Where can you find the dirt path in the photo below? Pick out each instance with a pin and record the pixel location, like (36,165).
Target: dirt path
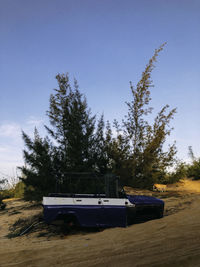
(171,241)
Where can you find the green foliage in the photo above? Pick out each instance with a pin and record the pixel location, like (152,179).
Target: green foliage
(185,170)
(77,144)
(7,193)
(11,190)
(179,172)
(1,198)
(2,182)
(19,190)
(194,168)
(39,172)
(4,193)
(137,151)
(72,126)
(118,150)
(100,149)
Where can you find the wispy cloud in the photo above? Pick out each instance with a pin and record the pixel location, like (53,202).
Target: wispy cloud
(33,121)
(11,143)
(10,159)
(10,130)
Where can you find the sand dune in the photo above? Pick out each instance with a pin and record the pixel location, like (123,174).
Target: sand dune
(171,241)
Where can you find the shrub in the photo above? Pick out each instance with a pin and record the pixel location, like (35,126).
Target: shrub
(179,172)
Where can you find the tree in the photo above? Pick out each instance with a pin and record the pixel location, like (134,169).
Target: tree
(2,182)
(72,126)
(76,144)
(99,150)
(179,172)
(193,168)
(138,146)
(118,151)
(72,147)
(39,173)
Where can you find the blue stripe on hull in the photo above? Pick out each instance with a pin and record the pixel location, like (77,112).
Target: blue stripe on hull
(89,215)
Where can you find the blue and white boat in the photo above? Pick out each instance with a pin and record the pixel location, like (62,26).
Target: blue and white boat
(111,208)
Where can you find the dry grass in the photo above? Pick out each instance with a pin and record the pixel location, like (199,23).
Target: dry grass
(10,199)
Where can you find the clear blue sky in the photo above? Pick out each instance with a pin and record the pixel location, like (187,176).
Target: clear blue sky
(104,44)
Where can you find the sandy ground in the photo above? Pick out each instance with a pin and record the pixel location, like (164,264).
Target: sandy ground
(171,241)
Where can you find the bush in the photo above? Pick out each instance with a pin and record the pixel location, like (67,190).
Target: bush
(7,193)
(194,170)
(179,172)
(15,191)
(19,190)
